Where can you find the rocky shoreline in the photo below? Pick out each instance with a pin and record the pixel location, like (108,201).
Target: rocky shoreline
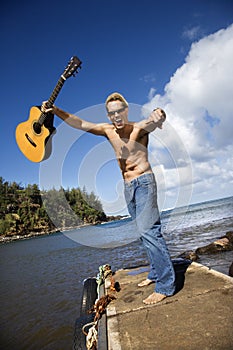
(16,237)
(222,244)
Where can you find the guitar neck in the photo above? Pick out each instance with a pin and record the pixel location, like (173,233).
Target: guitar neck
(70,70)
(52,98)
(56,91)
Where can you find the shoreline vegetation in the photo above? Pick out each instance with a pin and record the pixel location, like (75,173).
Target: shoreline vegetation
(24,211)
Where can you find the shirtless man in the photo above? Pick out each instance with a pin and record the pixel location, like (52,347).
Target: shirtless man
(129,141)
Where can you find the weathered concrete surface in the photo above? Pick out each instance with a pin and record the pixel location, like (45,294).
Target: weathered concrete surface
(200,316)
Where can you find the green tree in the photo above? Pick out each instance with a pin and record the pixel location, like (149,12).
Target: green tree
(27,210)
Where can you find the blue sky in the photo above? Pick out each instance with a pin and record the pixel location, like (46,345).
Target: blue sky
(175,54)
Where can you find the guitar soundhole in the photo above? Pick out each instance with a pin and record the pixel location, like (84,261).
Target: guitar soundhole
(37,128)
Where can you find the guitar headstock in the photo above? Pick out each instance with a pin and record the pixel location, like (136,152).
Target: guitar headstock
(72,67)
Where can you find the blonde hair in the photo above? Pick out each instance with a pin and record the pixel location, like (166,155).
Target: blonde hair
(116,96)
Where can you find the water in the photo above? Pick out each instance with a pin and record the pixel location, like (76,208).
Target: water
(41,278)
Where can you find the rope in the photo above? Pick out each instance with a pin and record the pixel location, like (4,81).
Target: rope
(99,307)
(86,325)
(104,272)
(91,337)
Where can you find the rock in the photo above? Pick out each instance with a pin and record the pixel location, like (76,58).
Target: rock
(222,244)
(231,270)
(229,235)
(190,255)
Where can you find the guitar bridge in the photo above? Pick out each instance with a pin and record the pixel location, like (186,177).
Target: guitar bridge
(30,140)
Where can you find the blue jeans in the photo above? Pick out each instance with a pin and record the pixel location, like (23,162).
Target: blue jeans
(141,199)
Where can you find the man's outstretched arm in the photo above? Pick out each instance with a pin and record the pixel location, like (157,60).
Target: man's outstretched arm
(75,121)
(155,120)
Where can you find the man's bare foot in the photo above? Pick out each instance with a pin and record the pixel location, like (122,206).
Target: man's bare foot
(145,283)
(154,298)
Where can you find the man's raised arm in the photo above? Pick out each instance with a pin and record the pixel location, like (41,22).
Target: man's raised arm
(155,120)
(75,121)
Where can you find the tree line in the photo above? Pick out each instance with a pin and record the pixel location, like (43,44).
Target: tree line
(25,210)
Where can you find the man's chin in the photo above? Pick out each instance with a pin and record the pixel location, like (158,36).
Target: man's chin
(119,126)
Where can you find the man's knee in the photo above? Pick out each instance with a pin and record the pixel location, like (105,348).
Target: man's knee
(145,227)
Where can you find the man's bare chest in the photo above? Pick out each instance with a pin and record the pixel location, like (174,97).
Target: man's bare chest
(128,146)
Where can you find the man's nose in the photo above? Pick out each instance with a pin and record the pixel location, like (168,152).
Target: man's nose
(116,114)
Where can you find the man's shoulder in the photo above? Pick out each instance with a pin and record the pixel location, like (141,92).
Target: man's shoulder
(107,127)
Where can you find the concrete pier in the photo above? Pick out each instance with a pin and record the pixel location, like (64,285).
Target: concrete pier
(199,316)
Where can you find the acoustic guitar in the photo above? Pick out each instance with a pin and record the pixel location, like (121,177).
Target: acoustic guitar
(34,136)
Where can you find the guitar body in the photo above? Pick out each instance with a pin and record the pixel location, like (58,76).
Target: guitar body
(31,143)
(34,137)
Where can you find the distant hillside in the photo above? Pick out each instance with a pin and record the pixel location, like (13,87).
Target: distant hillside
(24,210)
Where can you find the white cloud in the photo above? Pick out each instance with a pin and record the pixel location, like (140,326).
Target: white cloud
(148,78)
(199,103)
(192,33)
